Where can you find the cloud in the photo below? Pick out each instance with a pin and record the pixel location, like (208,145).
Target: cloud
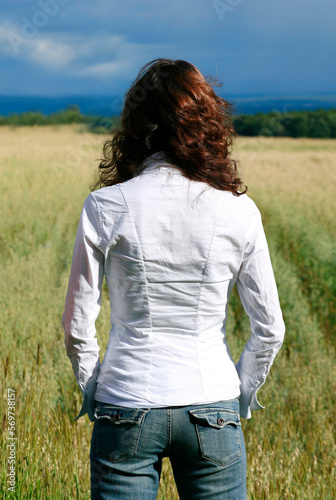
(43,50)
(106,69)
(118,57)
(103,55)
(47,54)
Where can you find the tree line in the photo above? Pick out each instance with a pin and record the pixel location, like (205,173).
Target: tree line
(70,115)
(320,123)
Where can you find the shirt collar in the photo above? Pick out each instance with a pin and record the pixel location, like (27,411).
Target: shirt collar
(157,161)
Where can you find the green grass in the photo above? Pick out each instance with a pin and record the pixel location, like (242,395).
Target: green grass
(46,173)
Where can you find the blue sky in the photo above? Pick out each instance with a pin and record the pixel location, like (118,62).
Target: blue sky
(85,47)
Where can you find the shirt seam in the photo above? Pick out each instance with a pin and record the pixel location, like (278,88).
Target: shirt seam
(242,259)
(205,267)
(199,298)
(98,245)
(146,285)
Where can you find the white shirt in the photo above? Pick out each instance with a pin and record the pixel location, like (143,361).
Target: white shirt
(171,251)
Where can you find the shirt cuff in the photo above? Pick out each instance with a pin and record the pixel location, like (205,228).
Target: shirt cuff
(248,394)
(88,405)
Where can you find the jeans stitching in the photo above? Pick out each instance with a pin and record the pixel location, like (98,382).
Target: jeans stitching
(238,443)
(169,426)
(134,448)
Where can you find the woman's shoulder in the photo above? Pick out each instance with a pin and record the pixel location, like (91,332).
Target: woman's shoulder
(242,203)
(108,198)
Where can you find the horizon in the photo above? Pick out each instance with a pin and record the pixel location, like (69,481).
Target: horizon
(267,95)
(111,105)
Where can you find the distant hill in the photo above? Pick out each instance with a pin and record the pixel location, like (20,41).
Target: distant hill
(283,104)
(112,105)
(88,105)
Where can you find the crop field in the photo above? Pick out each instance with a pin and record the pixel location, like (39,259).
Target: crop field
(46,173)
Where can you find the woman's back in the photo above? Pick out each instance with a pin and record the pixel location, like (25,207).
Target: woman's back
(172,249)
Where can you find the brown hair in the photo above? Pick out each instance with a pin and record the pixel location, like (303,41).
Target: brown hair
(170,107)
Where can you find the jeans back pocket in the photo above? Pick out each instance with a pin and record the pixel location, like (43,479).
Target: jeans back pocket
(218,433)
(117,431)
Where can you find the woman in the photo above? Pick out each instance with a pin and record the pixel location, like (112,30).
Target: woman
(172,233)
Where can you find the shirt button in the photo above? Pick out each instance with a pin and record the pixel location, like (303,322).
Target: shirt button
(221,421)
(116,418)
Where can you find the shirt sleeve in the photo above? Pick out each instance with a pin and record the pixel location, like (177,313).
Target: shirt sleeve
(83,300)
(259,296)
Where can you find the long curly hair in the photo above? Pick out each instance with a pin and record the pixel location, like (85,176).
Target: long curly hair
(171,107)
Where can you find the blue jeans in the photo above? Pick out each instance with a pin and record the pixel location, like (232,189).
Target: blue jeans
(204,443)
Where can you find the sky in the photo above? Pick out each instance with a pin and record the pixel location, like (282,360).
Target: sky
(85,47)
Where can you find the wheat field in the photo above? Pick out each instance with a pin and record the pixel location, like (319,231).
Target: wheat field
(46,173)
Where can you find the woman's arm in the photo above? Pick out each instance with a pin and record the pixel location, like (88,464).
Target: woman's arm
(83,301)
(258,293)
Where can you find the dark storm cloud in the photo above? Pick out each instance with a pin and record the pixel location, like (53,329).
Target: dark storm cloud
(70,46)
